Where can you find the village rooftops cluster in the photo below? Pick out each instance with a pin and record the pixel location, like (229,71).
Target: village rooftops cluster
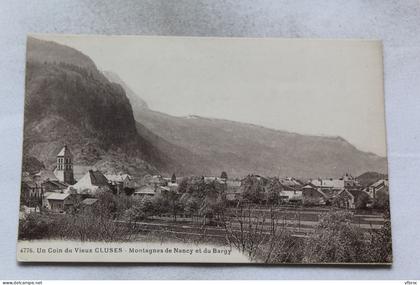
(58,190)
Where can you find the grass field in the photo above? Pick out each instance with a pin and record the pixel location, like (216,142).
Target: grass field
(299,221)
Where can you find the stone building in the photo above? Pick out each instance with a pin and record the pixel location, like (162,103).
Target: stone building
(64,168)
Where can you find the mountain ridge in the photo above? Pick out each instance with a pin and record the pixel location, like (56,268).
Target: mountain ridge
(68,100)
(279,150)
(259,149)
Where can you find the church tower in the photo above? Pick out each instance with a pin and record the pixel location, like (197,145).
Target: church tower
(64,169)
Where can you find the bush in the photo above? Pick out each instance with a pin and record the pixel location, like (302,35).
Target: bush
(361,202)
(35,226)
(334,240)
(381,200)
(378,247)
(134,214)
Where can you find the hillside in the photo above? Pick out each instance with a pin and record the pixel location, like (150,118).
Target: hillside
(369,178)
(204,145)
(68,101)
(208,146)
(136,101)
(240,148)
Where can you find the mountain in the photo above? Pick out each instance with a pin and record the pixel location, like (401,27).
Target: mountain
(207,146)
(181,160)
(106,125)
(369,178)
(240,148)
(69,101)
(136,101)
(51,52)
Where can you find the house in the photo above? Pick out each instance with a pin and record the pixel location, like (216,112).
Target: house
(233,190)
(80,170)
(337,184)
(322,191)
(145,190)
(172,186)
(291,195)
(157,180)
(31,193)
(344,199)
(125,179)
(119,182)
(54,186)
(291,190)
(379,186)
(90,183)
(361,198)
(290,182)
(350,182)
(31,189)
(45,200)
(88,204)
(209,179)
(59,202)
(44,175)
(25,211)
(312,195)
(233,184)
(233,195)
(379,193)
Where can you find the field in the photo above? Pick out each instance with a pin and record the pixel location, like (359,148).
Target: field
(300,221)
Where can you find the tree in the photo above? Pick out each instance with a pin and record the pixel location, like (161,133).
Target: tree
(381,200)
(260,237)
(379,243)
(106,206)
(253,189)
(362,200)
(203,198)
(159,204)
(146,205)
(335,240)
(169,202)
(224,175)
(212,204)
(128,191)
(273,191)
(135,214)
(190,204)
(183,185)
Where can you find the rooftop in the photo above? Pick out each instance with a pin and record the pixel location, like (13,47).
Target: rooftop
(89,201)
(57,196)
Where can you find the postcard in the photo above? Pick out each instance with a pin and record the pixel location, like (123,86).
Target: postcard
(204,150)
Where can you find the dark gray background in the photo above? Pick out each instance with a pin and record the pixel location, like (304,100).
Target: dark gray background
(397,23)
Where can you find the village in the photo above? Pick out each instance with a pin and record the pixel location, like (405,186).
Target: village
(59,190)
(257,215)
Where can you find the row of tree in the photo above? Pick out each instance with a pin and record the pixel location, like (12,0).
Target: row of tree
(334,240)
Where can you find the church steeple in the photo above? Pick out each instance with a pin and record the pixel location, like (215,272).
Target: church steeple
(64,169)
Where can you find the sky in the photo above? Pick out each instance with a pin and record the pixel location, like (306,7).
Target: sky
(314,87)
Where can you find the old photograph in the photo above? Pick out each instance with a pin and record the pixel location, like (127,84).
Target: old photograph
(207,150)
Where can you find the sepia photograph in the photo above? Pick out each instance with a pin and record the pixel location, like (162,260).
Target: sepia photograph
(204,150)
